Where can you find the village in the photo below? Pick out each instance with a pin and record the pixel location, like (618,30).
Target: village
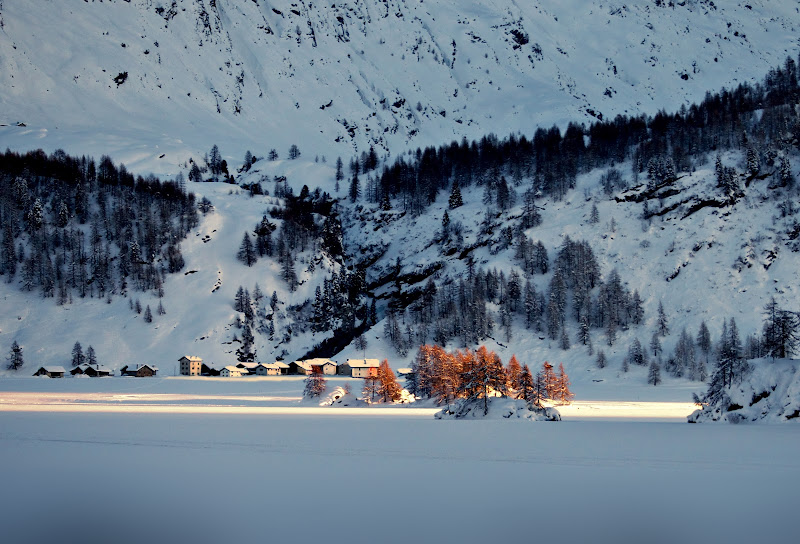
(190,365)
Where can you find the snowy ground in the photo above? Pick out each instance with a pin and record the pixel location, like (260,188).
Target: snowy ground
(278,395)
(247,474)
(223,478)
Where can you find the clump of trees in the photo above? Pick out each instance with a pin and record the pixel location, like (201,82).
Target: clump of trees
(382,385)
(71,227)
(474,308)
(479,375)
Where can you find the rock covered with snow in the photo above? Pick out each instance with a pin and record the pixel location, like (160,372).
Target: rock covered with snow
(769,393)
(499,408)
(340,397)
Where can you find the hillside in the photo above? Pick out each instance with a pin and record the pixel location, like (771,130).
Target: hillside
(554,244)
(712,264)
(153,83)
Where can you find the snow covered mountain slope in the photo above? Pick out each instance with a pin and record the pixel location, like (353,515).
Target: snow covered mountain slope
(729,263)
(154,82)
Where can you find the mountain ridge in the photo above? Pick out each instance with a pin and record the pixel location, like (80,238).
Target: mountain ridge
(393,74)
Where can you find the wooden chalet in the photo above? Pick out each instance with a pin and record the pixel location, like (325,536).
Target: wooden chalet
(51,371)
(247,369)
(139,371)
(93,371)
(325,366)
(268,369)
(301,367)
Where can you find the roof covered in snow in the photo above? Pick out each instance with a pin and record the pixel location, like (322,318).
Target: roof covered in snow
(363,363)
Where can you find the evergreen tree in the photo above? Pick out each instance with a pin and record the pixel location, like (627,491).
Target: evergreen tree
(239,300)
(294,152)
(272,155)
(594,216)
(654,373)
(445,225)
(77,355)
(248,161)
(601,359)
(339,172)
(148,315)
(539,390)
(781,331)
(704,340)
(15,358)
(655,345)
(455,199)
(355,188)
(684,360)
(730,367)
(662,325)
(246,253)
(525,389)
(636,355)
(564,341)
(753,162)
(91,357)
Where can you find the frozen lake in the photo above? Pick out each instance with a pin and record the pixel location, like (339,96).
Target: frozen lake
(95,473)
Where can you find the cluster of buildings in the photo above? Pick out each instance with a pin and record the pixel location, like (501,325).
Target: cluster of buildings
(97,371)
(356,368)
(190,365)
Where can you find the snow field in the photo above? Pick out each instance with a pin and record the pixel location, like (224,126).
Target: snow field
(136,478)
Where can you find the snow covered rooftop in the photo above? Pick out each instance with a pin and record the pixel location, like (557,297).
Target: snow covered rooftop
(320,361)
(363,363)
